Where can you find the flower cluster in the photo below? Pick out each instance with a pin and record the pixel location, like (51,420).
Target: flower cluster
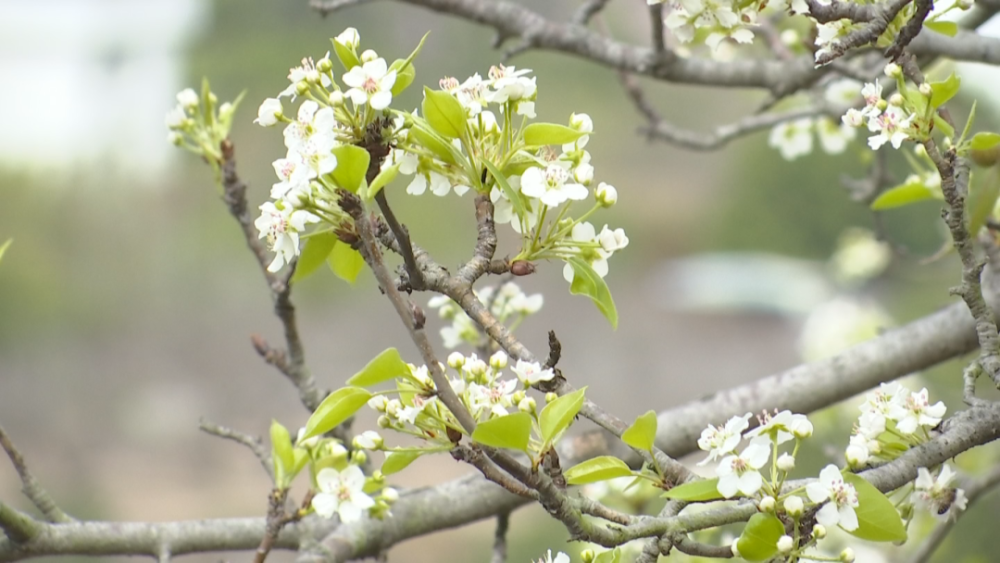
(199,123)
(795,138)
(892,419)
(508,304)
(479,385)
(890,121)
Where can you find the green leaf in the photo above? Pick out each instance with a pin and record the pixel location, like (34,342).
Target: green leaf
(903,194)
(878,519)
(444,114)
(511,431)
(346,262)
(281,454)
(435,144)
(385,176)
(398,461)
(609,556)
(335,408)
(943,127)
(538,134)
(352,164)
(984,141)
(317,248)
(944,90)
(512,195)
(642,433)
(559,414)
(597,469)
(587,282)
(759,540)
(387,365)
(943,27)
(5,246)
(346,55)
(404,76)
(301,457)
(695,491)
(984,189)
(968,122)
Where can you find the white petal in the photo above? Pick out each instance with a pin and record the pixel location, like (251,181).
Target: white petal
(349,512)
(325,504)
(828,515)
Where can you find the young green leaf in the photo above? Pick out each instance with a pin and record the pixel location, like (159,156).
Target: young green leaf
(984,189)
(942,126)
(405,73)
(444,114)
(512,195)
(587,282)
(759,540)
(944,90)
(435,144)
(281,454)
(345,262)
(903,194)
(943,27)
(387,365)
(5,246)
(385,176)
(878,519)
(559,414)
(352,164)
(642,433)
(984,141)
(511,431)
(609,556)
(335,408)
(314,253)
(538,134)
(695,491)
(346,55)
(597,469)
(397,461)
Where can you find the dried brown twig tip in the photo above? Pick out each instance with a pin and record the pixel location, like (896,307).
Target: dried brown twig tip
(555,351)
(419,318)
(350,203)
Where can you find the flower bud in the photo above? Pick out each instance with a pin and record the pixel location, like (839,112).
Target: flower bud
(175,138)
(384,422)
(881,105)
(456,360)
(337,98)
(786,462)
(349,38)
(766,504)
(377,476)
(393,407)
(896,99)
(517,397)
(335,451)
(785,544)
(584,174)
(378,403)
(892,70)
(476,368)
(390,495)
(581,122)
(847,556)
(527,405)
(309,443)
(359,457)
(368,56)
(853,118)
(793,506)
(226,110)
(367,440)
(312,76)
(549,397)
(302,87)
(926,89)
(803,429)
(187,98)
(324,66)
(212,98)
(588,556)
(606,194)
(819,531)
(269,112)
(498,361)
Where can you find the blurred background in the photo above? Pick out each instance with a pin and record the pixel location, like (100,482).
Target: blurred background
(128,296)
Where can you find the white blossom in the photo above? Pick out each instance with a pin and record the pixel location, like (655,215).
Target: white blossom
(267,114)
(842,497)
(918,412)
(792,138)
(559,558)
(495,399)
(551,185)
(370,83)
(281,227)
(937,495)
(369,440)
(349,38)
(531,373)
(889,127)
(341,492)
(834,137)
(782,426)
(740,473)
(187,98)
(719,441)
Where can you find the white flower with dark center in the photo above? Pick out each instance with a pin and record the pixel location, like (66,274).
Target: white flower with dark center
(370,83)
(889,127)
(281,227)
(937,495)
(917,412)
(739,474)
(721,440)
(294,174)
(792,138)
(341,492)
(872,93)
(493,399)
(551,185)
(510,84)
(531,373)
(842,497)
